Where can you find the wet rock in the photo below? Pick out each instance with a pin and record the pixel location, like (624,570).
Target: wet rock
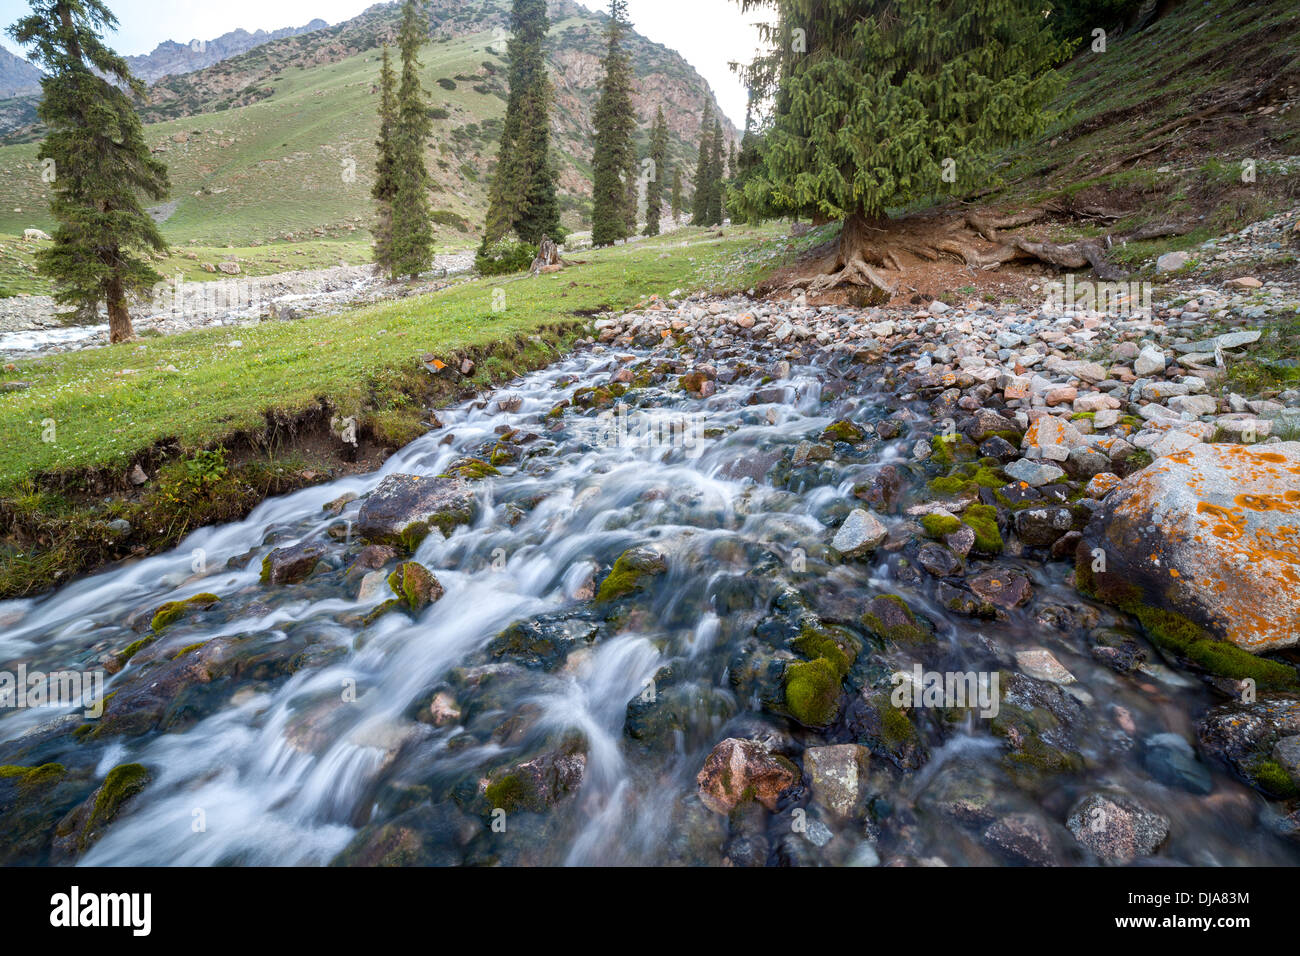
(1171,760)
(889,617)
(860,534)
(538,784)
(1116,828)
(629,573)
(938,560)
(1002,587)
(738,767)
(1041,664)
(836,773)
(1042,527)
(1287,754)
(1244,737)
(403,509)
(884,491)
(1023,838)
(428,835)
(291,565)
(1210,533)
(81,828)
(416,588)
(543,642)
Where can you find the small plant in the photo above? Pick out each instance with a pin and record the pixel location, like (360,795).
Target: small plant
(205,469)
(506,255)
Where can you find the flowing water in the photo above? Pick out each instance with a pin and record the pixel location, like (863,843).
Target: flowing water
(321,738)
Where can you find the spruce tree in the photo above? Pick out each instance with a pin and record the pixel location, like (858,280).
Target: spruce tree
(703,170)
(677,195)
(614,123)
(631,191)
(385,188)
(523,196)
(412,248)
(717,163)
(880,102)
(102,162)
(654,195)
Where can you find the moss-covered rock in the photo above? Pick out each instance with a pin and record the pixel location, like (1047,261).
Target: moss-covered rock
(173,611)
(415,586)
(889,618)
(81,828)
(629,573)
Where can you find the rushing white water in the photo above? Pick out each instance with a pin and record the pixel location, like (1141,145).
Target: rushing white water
(288,771)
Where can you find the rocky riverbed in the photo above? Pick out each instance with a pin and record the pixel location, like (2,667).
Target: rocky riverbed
(29,325)
(681,599)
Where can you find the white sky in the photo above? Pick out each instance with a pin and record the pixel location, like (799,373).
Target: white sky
(708,33)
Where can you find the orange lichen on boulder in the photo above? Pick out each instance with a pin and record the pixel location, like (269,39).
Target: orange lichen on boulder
(1224,516)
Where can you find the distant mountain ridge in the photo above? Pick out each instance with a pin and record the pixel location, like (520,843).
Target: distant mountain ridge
(176,59)
(17,76)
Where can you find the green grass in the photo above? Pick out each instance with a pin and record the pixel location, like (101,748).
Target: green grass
(109,403)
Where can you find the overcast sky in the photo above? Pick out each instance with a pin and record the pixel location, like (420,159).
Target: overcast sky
(708,33)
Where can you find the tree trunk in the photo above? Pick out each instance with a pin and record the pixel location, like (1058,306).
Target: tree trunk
(855,257)
(119,318)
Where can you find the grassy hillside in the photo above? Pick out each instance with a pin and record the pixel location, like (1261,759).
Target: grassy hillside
(276,145)
(1162,126)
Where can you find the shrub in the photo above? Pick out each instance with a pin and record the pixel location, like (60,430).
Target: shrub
(508,254)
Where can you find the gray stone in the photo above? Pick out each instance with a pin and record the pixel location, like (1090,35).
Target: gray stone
(860,534)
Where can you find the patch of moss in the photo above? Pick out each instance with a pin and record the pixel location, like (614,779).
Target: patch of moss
(626,576)
(472,469)
(939,526)
(134,648)
(173,611)
(843,431)
(814,642)
(950,449)
(909,631)
(812,692)
(389,605)
(983,520)
(185,650)
(513,791)
(122,783)
(1174,632)
(29,777)
(1271,777)
(896,728)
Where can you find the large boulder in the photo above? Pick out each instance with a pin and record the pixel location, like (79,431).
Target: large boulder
(1211,533)
(405,508)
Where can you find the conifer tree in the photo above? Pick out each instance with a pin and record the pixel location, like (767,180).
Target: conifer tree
(654,196)
(614,123)
(101,161)
(717,170)
(631,191)
(385,188)
(703,170)
(412,248)
(523,196)
(876,100)
(677,195)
